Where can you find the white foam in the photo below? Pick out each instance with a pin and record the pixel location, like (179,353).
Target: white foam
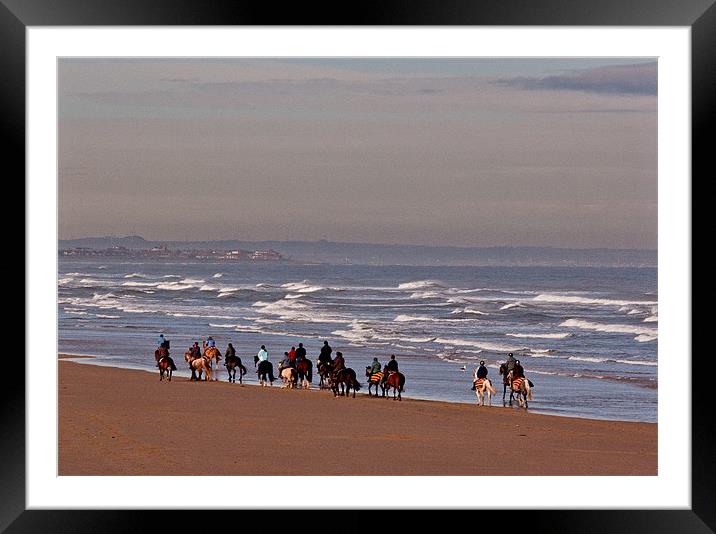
(220,325)
(643,338)
(512,305)
(611,328)
(473,311)
(587,359)
(420,284)
(562,335)
(192,281)
(102,316)
(135,275)
(411,318)
(638,362)
(651,319)
(495,347)
(218,275)
(570,299)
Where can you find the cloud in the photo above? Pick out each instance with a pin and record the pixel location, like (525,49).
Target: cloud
(638,79)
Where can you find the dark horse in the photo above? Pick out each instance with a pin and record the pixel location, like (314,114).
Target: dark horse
(265,371)
(304,368)
(375,379)
(396,381)
(232,363)
(324,372)
(165,363)
(346,379)
(506,382)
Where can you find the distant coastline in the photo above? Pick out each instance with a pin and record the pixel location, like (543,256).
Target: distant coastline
(332,252)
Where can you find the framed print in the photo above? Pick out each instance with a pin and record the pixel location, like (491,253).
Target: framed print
(490,196)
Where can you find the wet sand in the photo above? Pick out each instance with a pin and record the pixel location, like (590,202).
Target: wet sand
(125,422)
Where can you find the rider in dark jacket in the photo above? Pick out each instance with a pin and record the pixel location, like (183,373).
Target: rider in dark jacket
(392,365)
(519,371)
(338,363)
(300,352)
(230,351)
(482,370)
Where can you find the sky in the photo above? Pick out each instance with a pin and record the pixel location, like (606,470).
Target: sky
(442,151)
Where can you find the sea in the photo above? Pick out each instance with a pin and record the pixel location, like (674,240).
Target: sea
(587,337)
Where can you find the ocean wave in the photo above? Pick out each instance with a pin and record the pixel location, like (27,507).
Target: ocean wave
(302,287)
(643,338)
(610,328)
(421,284)
(512,305)
(135,275)
(175,286)
(568,299)
(562,335)
(588,359)
(140,284)
(218,275)
(494,347)
(221,325)
(637,362)
(411,318)
(468,310)
(418,295)
(191,281)
(102,316)
(651,319)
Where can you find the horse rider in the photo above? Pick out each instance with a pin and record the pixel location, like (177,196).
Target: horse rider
(510,366)
(162,343)
(286,362)
(209,342)
(262,355)
(325,355)
(519,371)
(300,352)
(195,350)
(375,367)
(230,351)
(480,372)
(338,363)
(292,357)
(392,365)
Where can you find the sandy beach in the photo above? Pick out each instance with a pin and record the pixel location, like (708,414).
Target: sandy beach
(124,422)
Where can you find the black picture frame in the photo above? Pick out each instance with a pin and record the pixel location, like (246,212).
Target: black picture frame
(699,15)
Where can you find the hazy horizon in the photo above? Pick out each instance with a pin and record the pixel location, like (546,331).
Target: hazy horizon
(434,152)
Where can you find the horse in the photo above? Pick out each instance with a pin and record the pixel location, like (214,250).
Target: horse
(231,363)
(289,376)
(325,371)
(482,386)
(346,379)
(198,366)
(265,371)
(212,353)
(506,380)
(522,387)
(375,379)
(166,365)
(396,381)
(304,368)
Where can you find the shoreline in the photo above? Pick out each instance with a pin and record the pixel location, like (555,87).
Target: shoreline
(117,421)
(496,401)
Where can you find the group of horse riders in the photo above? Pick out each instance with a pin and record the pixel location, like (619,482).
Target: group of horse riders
(513,376)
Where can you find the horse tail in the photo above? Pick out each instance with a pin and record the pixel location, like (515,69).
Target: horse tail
(171,362)
(490,388)
(401,382)
(242,370)
(529,390)
(309,373)
(356,384)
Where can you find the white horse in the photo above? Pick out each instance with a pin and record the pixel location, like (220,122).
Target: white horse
(521,388)
(289,377)
(483,386)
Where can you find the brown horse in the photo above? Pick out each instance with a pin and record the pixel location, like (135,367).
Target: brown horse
(325,370)
(396,381)
(375,379)
(346,379)
(304,368)
(232,363)
(166,365)
(199,365)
